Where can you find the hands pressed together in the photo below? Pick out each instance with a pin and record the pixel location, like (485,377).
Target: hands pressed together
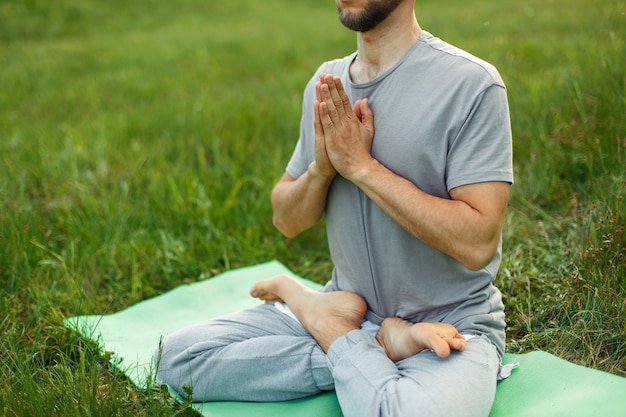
(343,133)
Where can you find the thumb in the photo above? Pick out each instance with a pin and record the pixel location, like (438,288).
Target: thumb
(365,114)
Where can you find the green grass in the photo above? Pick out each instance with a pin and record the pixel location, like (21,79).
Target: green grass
(139,143)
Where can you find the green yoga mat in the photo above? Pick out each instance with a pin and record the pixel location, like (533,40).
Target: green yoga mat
(542,385)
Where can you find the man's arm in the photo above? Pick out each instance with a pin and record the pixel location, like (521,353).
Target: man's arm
(466,227)
(299,204)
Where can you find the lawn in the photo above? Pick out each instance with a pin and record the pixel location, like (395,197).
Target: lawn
(139,142)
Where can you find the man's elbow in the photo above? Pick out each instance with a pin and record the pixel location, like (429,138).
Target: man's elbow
(475,264)
(480,256)
(284,228)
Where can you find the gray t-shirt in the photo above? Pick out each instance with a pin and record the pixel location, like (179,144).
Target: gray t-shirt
(441,120)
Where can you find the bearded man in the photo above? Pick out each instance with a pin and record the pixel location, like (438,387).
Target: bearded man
(405,147)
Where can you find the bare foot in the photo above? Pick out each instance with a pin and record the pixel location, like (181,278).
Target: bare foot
(327,316)
(401,339)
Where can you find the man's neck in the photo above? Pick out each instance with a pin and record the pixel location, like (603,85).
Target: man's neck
(382,47)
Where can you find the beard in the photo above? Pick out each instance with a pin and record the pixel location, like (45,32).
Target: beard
(374,12)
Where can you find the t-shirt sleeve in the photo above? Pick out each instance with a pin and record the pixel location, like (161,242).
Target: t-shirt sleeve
(482,150)
(304,152)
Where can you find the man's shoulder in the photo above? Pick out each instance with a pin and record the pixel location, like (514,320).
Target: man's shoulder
(455,58)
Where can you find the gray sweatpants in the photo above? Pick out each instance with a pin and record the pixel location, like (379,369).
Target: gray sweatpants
(262,354)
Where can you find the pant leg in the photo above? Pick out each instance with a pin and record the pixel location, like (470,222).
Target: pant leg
(258,354)
(368,384)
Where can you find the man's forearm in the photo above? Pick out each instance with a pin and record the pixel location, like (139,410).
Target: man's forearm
(298,204)
(466,227)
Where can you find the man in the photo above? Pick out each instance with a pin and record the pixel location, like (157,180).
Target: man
(405,147)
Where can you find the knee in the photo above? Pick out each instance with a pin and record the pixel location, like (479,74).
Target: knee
(167,366)
(158,356)
(161,359)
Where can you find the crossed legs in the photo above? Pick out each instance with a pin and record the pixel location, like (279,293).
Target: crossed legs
(261,354)
(328,316)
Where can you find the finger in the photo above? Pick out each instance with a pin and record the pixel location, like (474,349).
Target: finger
(357,109)
(318,84)
(317,121)
(328,106)
(343,96)
(366,115)
(332,82)
(326,120)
